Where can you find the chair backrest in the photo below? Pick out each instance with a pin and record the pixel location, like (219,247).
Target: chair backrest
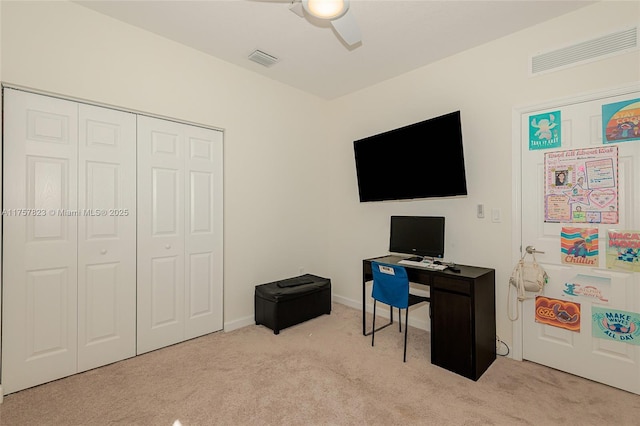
(390,284)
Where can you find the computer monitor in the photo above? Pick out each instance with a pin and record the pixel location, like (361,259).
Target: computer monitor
(417,235)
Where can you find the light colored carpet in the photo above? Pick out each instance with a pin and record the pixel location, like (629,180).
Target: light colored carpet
(321,372)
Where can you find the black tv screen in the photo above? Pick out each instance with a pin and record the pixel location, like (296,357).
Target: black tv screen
(421,160)
(417,235)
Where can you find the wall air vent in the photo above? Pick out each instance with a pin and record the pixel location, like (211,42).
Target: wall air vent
(263,58)
(595,49)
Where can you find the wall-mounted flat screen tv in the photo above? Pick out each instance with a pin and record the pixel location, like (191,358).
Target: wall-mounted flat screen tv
(421,160)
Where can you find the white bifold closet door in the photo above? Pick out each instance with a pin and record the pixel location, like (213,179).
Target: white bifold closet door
(179,232)
(68,245)
(106,236)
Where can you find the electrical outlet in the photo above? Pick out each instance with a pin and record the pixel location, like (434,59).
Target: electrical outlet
(480,211)
(301,270)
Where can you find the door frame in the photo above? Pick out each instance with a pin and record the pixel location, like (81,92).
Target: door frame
(516,193)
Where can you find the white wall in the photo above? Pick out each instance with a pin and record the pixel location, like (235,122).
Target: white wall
(485,83)
(290,189)
(274,155)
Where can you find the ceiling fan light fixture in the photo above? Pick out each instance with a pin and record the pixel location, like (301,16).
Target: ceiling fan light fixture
(326,9)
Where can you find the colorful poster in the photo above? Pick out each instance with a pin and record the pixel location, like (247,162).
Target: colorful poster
(558,313)
(579,246)
(544,131)
(623,250)
(621,121)
(581,185)
(611,324)
(588,286)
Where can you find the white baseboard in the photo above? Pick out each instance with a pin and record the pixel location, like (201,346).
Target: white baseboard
(239,323)
(356,304)
(415,320)
(348,302)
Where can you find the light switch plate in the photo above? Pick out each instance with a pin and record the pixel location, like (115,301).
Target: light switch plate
(496,215)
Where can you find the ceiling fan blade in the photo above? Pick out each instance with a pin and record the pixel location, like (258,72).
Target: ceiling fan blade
(296,7)
(347,28)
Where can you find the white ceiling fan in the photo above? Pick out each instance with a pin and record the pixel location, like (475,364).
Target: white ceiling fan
(336,12)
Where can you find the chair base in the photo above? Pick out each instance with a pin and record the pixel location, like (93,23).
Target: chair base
(413,300)
(368,333)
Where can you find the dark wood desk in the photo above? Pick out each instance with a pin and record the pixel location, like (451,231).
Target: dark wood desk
(463,314)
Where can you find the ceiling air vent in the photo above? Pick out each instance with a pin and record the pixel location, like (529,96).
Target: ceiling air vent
(263,58)
(587,51)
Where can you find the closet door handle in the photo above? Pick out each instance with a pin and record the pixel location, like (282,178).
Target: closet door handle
(168,246)
(103,251)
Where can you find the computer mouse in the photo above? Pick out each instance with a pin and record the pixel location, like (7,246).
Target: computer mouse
(437,262)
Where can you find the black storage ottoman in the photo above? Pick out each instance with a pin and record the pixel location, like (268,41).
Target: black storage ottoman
(288,302)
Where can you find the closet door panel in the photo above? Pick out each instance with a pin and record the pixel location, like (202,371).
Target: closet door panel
(39,337)
(203,244)
(106,236)
(179,232)
(160,233)
(112,236)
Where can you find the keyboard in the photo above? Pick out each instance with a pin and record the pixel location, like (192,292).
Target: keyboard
(426,265)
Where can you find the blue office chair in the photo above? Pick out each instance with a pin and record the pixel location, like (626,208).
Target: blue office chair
(391,287)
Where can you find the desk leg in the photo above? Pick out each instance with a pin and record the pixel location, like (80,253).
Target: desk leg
(364,307)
